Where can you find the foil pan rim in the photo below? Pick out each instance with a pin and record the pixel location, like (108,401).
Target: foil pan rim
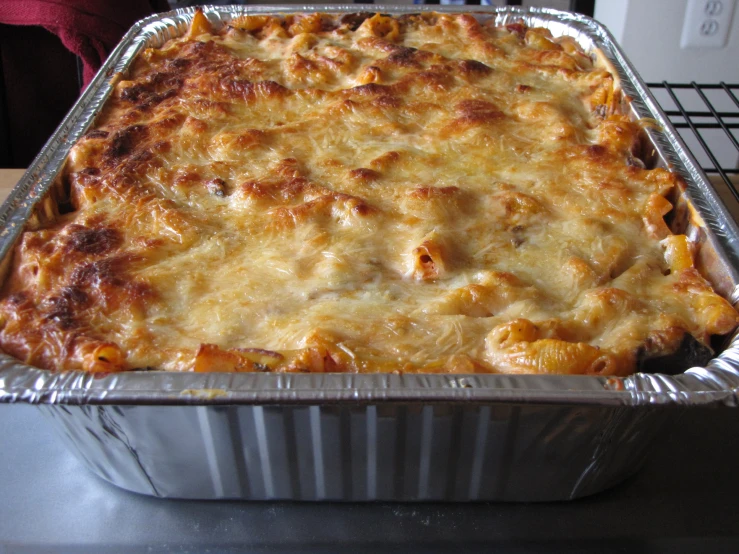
(716,383)
(697,386)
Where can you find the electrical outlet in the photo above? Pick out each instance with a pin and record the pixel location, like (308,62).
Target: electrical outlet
(707,23)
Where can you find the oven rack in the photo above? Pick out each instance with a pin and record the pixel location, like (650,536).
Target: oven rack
(707,117)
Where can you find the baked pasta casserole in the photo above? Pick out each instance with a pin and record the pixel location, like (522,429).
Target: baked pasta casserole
(360,193)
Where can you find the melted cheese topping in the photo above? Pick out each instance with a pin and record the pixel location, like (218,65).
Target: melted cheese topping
(424,193)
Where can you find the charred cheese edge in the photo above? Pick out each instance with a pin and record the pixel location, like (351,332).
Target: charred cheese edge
(363,193)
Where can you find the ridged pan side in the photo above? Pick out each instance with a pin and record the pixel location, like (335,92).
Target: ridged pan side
(408,452)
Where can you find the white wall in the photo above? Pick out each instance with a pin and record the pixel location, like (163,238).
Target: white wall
(649,32)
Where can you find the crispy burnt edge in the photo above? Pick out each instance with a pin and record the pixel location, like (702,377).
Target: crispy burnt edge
(690,353)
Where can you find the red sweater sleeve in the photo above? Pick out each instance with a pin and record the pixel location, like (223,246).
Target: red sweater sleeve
(89,28)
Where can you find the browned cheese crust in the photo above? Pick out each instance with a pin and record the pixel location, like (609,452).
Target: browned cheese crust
(425,193)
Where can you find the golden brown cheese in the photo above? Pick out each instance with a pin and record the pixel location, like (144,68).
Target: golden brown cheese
(359,193)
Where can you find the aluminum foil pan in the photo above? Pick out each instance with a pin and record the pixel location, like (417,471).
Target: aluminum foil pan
(373,436)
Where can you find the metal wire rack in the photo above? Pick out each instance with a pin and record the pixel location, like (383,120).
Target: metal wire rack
(707,117)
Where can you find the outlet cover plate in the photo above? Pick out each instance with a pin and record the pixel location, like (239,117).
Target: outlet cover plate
(707,23)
